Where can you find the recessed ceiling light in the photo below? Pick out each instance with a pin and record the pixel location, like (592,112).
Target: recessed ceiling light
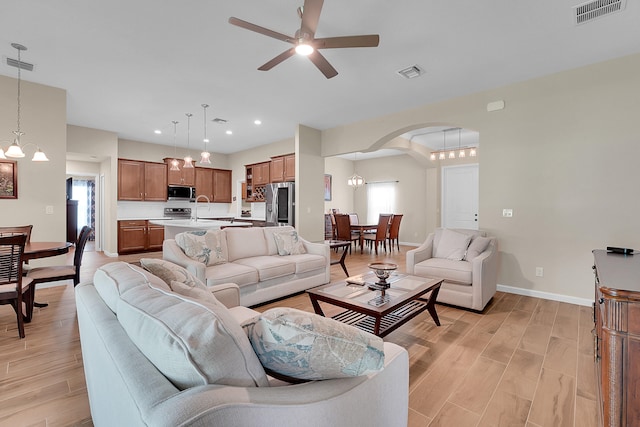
(257,122)
(229,132)
(157,132)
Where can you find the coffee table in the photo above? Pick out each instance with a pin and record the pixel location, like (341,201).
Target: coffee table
(335,244)
(368,310)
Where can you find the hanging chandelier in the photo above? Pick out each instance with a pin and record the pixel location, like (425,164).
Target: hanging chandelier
(188,160)
(174,162)
(451,153)
(205,156)
(355,180)
(16,150)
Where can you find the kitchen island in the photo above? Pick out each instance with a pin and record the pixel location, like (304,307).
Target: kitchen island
(175,226)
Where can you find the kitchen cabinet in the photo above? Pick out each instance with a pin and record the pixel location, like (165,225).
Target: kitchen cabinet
(184,176)
(261,174)
(214,183)
(617,337)
(283,168)
(255,180)
(138,180)
(139,236)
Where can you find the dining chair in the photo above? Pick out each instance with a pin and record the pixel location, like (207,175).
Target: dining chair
(394,231)
(380,235)
(353,219)
(343,229)
(14,288)
(56,273)
(24,229)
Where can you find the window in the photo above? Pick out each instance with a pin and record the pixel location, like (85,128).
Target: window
(381,198)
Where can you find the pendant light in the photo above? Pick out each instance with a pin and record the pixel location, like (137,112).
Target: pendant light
(355,180)
(205,155)
(461,153)
(15,150)
(174,163)
(188,160)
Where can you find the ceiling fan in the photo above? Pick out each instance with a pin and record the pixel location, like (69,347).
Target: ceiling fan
(304,41)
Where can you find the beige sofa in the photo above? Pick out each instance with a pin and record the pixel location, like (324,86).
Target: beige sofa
(253,263)
(126,388)
(467,260)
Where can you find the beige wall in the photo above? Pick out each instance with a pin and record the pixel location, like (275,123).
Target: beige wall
(40,184)
(341,195)
(561,155)
(309,184)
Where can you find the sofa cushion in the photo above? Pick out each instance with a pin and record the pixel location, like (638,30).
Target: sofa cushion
(307,262)
(477,246)
(301,345)
(269,267)
(452,245)
(169,272)
(245,242)
(191,342)
(206,246)
(288,243)
(194,292)
(450,270)
(239,274)
(115,278)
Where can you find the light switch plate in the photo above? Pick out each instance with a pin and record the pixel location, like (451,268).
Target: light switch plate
(507,213)
(48,210)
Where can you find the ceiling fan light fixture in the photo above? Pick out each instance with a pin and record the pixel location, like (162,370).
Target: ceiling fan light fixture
(304,49)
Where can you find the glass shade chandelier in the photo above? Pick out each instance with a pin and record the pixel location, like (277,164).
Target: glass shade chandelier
(16,150)
(355,180)
(188,160)
(174,163)
(451,153)
(205,156)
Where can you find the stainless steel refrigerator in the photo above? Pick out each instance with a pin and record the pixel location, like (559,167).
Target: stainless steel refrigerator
(280,204)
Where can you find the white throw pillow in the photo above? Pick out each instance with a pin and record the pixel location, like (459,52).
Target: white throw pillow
(191,342)
(169,272)
(288,243)
(295,344)
(202,245)
(452,245)
(477,246)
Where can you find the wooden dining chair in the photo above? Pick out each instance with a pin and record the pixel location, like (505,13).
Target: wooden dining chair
(380,235)
(14,288)
(56,273)
(24,229)
(394,231)
(343,229)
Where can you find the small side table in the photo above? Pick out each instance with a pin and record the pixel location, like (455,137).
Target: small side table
(334,244)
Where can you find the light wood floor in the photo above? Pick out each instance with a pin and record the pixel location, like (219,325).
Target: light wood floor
(522,362)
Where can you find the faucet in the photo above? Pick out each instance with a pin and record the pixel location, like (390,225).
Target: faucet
(196,208)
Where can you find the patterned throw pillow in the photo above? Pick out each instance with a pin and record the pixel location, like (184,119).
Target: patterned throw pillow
(296,344)
(202,245)
(288,243)
(169,272)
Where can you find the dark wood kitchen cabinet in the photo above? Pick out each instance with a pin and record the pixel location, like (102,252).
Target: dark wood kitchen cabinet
(139,235)
(184,176)
(214,183)
(617,337)
(283,168)
(138,180)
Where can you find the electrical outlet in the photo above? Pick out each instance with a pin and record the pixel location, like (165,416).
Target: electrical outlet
(539,271)
(507,213)
(48,210)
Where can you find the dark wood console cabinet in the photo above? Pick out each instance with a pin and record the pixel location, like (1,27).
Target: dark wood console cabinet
(617,337)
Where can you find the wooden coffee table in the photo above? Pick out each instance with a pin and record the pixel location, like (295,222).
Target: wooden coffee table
(403,301)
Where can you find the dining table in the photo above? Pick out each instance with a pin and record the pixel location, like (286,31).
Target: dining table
(363,228)
(35,250)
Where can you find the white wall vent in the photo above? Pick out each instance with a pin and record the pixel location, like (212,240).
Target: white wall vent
(19,64)
(591,10)
(411,72)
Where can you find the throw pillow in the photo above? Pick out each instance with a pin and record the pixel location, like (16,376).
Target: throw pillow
(477,246)
(452,245)
(169,272)
(202,245)
(191,342)
(305,346)
(288,243)
(194,292)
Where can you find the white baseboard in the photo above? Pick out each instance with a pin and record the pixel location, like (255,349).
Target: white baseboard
(546,295)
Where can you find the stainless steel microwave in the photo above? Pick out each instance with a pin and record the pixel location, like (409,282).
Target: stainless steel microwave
(180,192)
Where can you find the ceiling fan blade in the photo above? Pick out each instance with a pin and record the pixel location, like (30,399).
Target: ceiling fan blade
(310,16)
(323,65)
(278,59)
(261,30)
(370,40)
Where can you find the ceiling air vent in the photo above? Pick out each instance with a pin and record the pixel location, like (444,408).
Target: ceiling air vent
(219,121)
(19,64)
(411,72)
(589,11)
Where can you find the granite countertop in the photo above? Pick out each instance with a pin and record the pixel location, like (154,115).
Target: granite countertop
(200,224)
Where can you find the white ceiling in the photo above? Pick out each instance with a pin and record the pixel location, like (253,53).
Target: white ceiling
(134,66)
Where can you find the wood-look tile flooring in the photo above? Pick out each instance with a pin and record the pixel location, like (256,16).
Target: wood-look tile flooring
(522,362)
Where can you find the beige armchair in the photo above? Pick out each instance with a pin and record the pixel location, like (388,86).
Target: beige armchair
(467,260)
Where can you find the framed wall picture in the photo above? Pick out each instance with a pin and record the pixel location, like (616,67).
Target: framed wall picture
(327,187)
(8,179)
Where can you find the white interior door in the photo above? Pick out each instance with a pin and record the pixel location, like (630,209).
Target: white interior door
(460,197)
